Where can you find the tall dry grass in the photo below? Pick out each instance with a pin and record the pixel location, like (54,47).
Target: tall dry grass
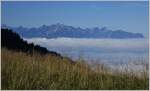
(22,71)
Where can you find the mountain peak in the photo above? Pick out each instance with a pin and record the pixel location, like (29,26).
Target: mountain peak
(58,25)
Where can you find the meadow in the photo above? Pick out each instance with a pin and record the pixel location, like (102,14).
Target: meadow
(21,71)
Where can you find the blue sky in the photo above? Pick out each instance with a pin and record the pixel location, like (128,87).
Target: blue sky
(127,15)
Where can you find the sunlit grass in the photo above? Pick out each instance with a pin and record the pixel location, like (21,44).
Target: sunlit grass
(22,71)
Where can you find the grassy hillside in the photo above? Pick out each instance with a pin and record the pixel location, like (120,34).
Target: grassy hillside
(22,71)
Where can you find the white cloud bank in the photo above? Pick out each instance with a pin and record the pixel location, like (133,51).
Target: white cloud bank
(103,44)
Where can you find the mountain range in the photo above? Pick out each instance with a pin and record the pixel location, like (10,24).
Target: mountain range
(61,30)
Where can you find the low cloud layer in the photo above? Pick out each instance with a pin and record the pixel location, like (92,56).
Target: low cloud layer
(92,44)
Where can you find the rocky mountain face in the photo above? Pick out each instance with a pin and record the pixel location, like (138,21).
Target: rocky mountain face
(61,30)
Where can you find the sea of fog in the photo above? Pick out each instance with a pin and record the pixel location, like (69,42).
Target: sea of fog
(107,51)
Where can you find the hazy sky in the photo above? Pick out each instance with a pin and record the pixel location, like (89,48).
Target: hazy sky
(128,16)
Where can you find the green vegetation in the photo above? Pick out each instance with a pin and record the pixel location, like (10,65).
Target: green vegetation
(22,71)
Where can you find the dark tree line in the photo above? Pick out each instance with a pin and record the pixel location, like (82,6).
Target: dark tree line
(13,41)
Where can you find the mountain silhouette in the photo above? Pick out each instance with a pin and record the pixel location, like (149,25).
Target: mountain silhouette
(61,30)
(13,41)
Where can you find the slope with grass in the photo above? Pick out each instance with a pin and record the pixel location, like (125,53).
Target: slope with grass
(22,71)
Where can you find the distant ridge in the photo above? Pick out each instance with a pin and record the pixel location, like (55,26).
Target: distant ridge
(61,30)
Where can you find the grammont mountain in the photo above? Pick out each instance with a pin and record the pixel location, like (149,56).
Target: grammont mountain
(61,30)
